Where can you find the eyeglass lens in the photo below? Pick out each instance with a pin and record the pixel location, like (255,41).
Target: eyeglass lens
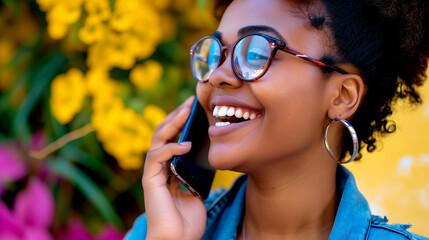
(250,57)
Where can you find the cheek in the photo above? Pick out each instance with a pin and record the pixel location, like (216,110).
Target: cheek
(294,114)
(203,94)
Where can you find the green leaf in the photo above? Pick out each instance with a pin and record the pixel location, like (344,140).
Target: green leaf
(77,155)
(41,82)
(88,188)
(20,82)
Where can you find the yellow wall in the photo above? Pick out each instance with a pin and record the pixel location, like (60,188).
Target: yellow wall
(395,178)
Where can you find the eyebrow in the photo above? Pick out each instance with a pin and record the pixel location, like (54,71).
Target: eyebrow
(253,29)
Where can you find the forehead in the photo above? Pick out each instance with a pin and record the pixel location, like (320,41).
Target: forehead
(290,20)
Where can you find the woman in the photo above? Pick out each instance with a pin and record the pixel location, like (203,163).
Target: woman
(302,68)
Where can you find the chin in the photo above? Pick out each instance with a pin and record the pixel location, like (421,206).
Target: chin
(224,158)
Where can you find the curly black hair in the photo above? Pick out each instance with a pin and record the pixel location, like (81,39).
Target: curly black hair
(388,42)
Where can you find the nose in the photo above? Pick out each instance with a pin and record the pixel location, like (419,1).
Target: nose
(224,76)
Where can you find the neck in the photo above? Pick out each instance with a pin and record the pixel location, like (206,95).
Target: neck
(294,199)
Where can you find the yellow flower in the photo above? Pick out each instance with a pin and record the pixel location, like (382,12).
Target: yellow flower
(149,24)
(121,21)
(118,53)
(123,133)
(64,12)
(147,75)
(7,50)
(106,114)
(130,161)
(133,31)
(92,31)
(98,8)
(112,51)
(97,55)
(61,15)
(161,4)
(142,47)
(46,4)
(57,30)
(154,115)
(123,16)
(67,94)
(99,83)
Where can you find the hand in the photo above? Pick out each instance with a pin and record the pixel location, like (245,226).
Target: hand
(171,213)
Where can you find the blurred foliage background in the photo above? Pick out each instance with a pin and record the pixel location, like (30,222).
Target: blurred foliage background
(83,85)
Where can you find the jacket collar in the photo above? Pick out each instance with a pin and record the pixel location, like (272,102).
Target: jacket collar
(225,213)
(353,215)
(351,222)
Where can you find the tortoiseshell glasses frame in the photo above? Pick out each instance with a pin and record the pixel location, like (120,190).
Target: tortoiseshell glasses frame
(208,53)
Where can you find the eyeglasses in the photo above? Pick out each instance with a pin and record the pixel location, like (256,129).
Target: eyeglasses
(251,57)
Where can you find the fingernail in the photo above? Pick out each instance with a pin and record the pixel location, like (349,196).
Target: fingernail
(187,143)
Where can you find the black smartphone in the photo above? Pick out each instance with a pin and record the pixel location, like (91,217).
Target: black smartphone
(193,168)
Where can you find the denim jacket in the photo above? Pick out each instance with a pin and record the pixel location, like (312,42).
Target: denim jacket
(352,222)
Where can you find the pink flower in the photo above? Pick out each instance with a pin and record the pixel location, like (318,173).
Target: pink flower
(32,215)
(109,233)
(77,230)
(11,167)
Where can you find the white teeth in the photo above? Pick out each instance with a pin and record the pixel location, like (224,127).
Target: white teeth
(246,115)
(230,112)
(238,113)
(222,111)
(215,111)
(252,116)
(221,124)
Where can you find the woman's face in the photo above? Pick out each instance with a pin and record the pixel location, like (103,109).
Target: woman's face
(290,101)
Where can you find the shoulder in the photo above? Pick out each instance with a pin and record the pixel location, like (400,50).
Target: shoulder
(380,229)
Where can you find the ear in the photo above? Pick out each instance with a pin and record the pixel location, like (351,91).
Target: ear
(346,92)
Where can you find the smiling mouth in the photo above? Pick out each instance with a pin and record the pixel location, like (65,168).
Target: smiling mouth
(226,115)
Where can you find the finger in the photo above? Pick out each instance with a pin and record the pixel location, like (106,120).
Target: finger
(155,169)
(169,131)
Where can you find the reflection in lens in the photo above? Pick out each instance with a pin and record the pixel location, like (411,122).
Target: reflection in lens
(251,56)
(205,58)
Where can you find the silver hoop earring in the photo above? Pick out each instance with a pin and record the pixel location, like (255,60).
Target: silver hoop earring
(353,135)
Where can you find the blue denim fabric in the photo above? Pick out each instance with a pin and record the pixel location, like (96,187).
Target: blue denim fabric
(353,221)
